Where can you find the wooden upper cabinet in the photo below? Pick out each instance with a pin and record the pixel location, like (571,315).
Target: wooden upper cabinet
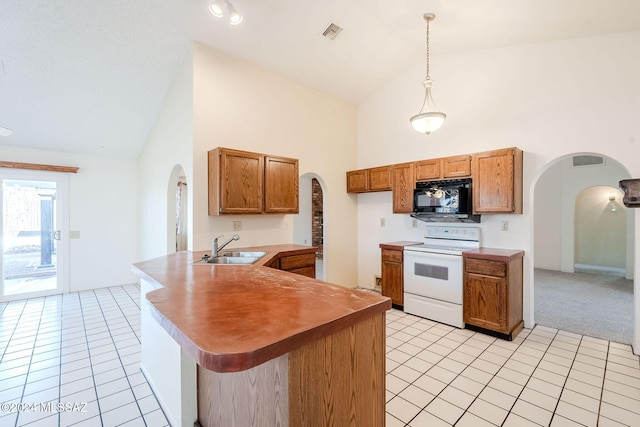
(366,180)
(497,181)
(358,181)
(380,178)
(281,185)
(428,169)
(242,182)
(236,182)
(403,184)
(456,166)
(444,168)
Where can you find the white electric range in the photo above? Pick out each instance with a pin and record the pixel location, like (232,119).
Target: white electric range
(433,273)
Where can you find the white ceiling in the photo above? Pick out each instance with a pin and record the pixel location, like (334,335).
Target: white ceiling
(90,76)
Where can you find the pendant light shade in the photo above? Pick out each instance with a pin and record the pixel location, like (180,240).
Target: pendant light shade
(429,119)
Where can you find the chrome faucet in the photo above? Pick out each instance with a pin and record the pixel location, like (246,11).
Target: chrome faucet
(215,248)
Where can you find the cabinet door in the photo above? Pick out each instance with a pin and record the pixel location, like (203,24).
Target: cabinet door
(392,282)
(241,182)
(497,181)
(428,169)
(380,178)
(403,185)
(281,185)
(358,181)
(456,166)
(485,302)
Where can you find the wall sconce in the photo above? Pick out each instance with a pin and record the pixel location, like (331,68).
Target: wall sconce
(612,206)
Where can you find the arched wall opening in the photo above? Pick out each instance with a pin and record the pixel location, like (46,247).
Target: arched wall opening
(560,215)
(177,211)
(309,226)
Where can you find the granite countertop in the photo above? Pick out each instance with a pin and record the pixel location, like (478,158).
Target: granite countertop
(231,318)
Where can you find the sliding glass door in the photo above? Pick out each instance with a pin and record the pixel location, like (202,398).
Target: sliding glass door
(34,233)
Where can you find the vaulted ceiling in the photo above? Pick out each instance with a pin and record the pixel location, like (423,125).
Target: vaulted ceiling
(90,76)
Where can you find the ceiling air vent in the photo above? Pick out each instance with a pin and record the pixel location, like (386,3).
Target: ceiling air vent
(331,31)
(579,161)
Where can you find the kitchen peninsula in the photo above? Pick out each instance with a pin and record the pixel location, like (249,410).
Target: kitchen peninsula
(250,345)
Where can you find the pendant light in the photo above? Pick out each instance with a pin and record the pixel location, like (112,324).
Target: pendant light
(429,119)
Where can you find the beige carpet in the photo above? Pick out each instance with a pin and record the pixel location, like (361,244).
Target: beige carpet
(599,306)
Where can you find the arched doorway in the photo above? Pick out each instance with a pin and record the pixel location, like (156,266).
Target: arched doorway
(177,211)
(309,224)
(561,216)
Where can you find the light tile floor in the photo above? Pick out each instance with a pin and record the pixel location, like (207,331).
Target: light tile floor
(80,348)
(438,375)
(85,347)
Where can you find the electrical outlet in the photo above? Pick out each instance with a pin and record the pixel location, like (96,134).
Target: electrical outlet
(237,225)
(377,281)
(504,225)
(414,223)
(383,222)
(74,234)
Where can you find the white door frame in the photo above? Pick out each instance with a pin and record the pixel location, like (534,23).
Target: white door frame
(62,224)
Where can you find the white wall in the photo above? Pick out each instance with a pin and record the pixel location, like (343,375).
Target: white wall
(302,222)
(103,201)
(549,99)
(600,231)
(242,106)
(170,143)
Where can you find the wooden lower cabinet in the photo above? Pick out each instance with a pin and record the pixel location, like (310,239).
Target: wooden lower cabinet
(493,291)
(336,380)
(393,271)
(392,276)
(303,264)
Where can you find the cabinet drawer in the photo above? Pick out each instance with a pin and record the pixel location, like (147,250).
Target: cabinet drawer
(486,267)
(297,261)
(391,255)
(305,271)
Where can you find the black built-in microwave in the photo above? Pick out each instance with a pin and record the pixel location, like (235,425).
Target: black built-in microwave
(448,200)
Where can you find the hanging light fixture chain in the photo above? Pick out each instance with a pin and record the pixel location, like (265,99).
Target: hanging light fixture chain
(428,19)
(429,119)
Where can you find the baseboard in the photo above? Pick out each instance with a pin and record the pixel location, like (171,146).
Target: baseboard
(599,269)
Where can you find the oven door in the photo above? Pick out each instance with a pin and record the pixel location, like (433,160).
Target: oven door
(432,275)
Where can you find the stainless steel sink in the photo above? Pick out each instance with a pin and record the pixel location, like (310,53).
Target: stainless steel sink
(256,254)
(232,260)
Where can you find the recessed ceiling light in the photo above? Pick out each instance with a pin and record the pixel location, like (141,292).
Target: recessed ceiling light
(5,131)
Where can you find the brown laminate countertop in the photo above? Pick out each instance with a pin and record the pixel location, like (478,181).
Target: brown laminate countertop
(231,318)
(494,254)
(398,245)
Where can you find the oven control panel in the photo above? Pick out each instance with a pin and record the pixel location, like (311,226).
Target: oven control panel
(453,233)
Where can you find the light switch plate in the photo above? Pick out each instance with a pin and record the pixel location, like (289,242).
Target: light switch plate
(237,225)
(75,234)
